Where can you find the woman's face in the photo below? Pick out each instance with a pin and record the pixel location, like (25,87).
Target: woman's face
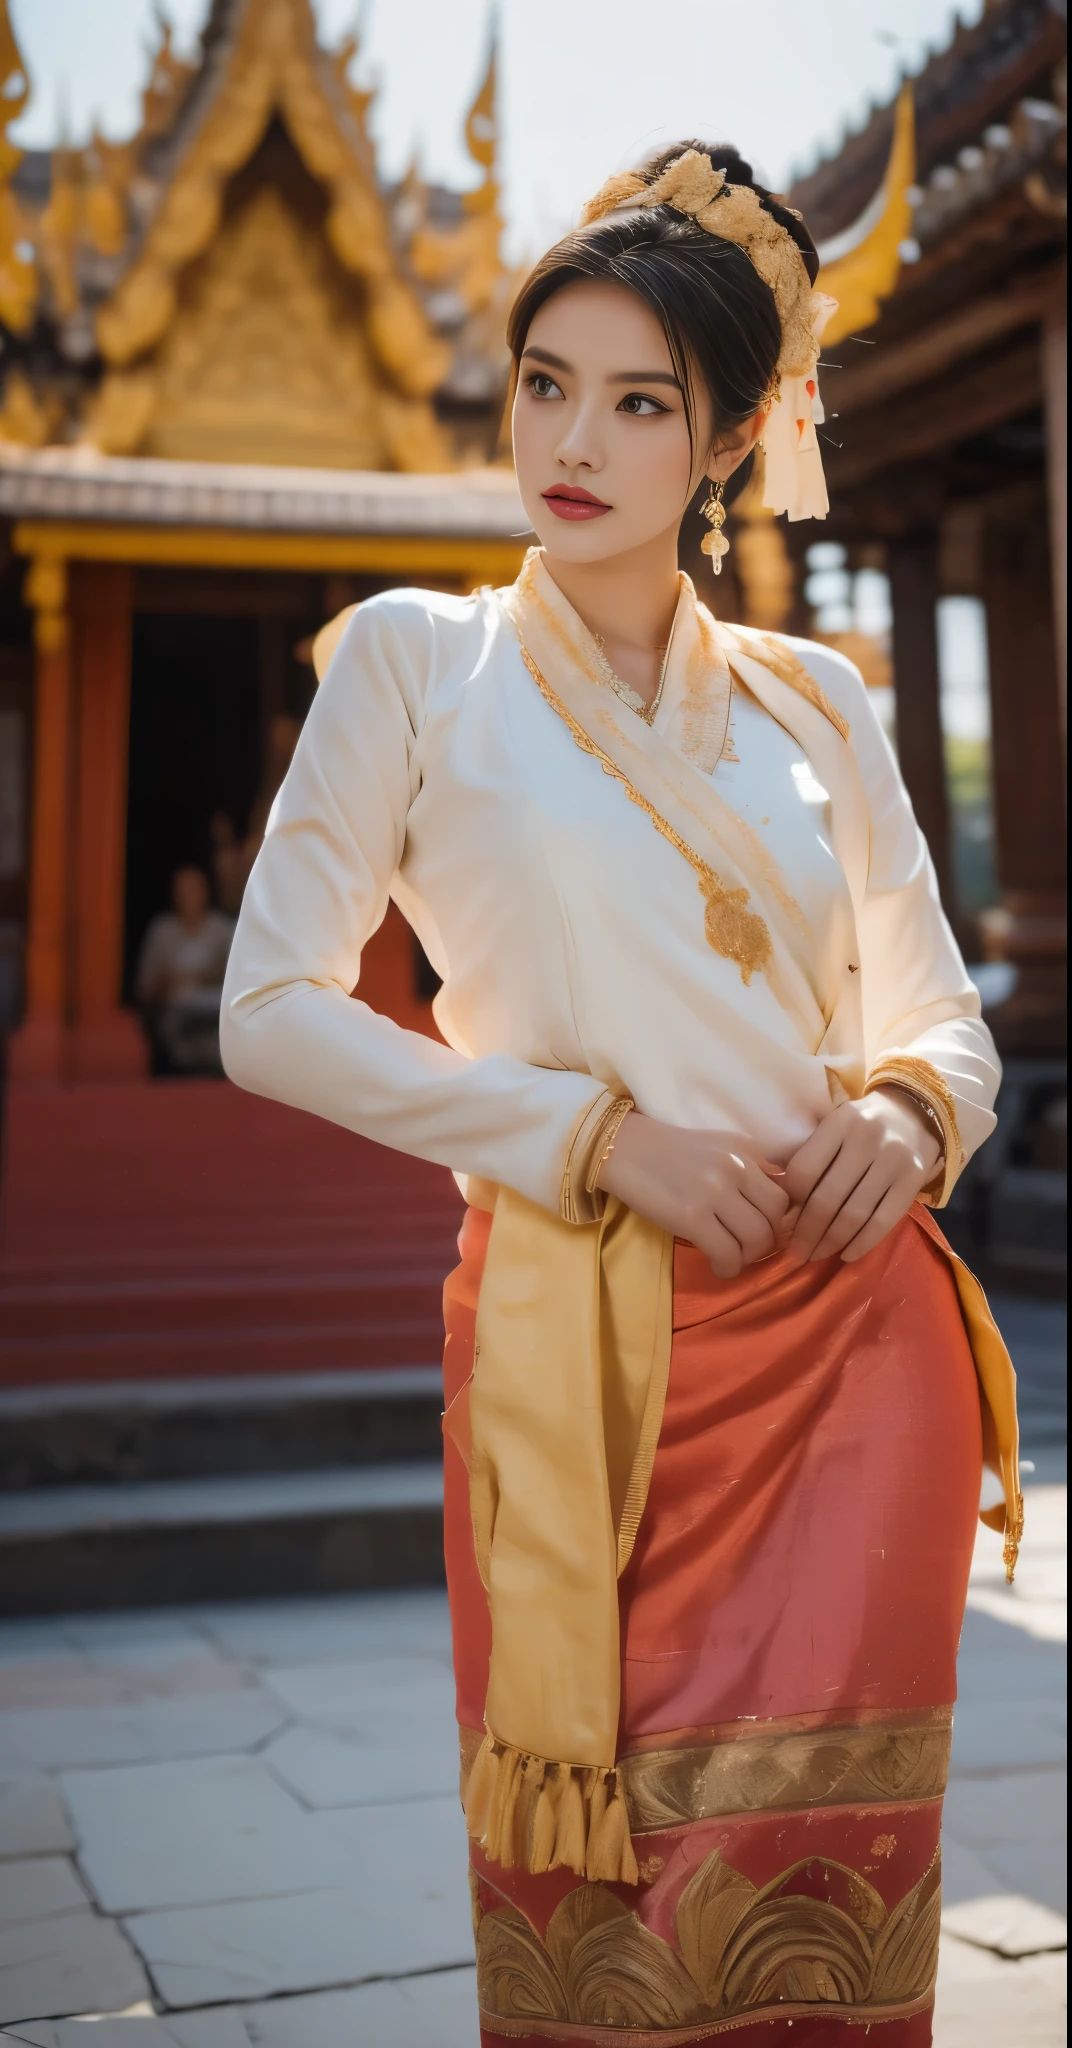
(601,440)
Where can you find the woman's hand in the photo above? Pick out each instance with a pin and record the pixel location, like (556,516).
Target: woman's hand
(859,1173)
(706,1186)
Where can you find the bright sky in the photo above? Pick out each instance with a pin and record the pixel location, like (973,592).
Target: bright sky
(587,85)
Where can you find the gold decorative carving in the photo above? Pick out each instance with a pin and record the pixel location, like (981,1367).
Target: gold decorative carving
(820,1767)
(60,228)
(25,418)
(18,277)
(169,82)
(110,169)
(745,1950)
(467,257)
(117,418)
(264,362)
(275,65)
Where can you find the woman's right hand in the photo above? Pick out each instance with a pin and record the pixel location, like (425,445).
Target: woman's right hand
(706,1186)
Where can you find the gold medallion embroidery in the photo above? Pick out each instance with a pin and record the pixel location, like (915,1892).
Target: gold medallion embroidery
(731,929)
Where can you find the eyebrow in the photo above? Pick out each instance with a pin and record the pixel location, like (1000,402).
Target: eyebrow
(544,355)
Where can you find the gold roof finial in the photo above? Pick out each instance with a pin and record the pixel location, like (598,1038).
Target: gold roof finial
(18,277)
(860,267)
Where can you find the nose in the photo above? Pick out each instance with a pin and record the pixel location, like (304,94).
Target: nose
(578,445)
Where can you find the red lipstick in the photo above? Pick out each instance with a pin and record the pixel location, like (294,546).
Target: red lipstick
(569,501)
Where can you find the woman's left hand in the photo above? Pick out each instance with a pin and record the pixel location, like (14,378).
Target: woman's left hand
(858,1174)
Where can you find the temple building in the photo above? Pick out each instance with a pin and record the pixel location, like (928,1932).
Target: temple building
(244,383)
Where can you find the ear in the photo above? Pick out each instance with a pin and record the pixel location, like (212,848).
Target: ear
(735,445)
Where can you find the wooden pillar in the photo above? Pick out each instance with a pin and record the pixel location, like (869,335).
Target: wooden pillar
(37,1047)
(913,572)
(1027,927)
(1055,389)
(106,1042)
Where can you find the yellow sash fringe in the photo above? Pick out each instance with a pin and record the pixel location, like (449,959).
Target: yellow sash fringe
(528,1812)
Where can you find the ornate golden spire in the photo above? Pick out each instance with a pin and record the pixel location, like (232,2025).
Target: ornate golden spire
(467,257)
(18,278)
(860,268)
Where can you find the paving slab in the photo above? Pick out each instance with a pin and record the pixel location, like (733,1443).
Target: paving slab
(414,2012)
(326,1770)
(190,1833)
(37,1886)
(121,2031)
(335,1625)
(377,1695)
(985,2002)
(66,1963)
(988,1734)
(405,1909)
(206,1724)
(1015,1822)
(33,1818)
(1008,1924)
(123,1676)
(141,1634)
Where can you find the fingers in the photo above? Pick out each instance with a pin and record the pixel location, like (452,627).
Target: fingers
(766,1195)
(829,1196)
(854,1214)
(895,1204)
(808,1165)
(723,1250)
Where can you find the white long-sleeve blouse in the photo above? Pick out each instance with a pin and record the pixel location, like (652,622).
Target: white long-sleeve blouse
(431,769)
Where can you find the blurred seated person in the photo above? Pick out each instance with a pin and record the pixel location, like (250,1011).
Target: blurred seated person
(180,977)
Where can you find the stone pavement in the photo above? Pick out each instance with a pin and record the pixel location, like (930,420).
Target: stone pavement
(237,1824)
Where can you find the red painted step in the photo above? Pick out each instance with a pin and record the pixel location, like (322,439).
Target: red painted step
(184,1227)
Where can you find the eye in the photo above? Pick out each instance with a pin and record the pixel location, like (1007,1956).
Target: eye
(639,406)
(542,386)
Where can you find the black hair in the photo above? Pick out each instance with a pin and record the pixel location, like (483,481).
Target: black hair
(719,317)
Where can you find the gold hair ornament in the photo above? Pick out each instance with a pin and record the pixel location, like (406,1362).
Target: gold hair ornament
(692,185)
(794,480)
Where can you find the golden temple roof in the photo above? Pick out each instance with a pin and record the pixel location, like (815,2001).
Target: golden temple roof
(235,282)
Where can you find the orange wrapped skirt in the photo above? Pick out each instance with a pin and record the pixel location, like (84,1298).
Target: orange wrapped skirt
(789,1626)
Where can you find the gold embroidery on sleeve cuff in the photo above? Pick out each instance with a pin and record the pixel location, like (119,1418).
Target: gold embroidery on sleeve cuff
(582,1202)
(929,1088)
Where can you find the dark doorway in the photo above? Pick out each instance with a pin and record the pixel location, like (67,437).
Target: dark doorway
(194,750)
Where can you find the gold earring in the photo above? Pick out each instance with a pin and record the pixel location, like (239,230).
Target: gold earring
(715,543)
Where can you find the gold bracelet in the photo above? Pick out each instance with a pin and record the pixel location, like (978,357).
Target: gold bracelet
(603,1139)
(937,1180)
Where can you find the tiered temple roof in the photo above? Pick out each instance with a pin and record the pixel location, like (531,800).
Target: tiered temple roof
(236,283)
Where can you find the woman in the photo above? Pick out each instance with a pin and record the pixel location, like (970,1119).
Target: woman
(713,1424)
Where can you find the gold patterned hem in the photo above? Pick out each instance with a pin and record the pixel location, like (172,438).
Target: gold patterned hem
(699,1736)
(867,2016)
(902,1761)
(743,1953)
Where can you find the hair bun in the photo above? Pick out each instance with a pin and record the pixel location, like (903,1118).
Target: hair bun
(724,156)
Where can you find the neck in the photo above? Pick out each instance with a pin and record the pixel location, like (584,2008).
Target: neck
(628,601)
